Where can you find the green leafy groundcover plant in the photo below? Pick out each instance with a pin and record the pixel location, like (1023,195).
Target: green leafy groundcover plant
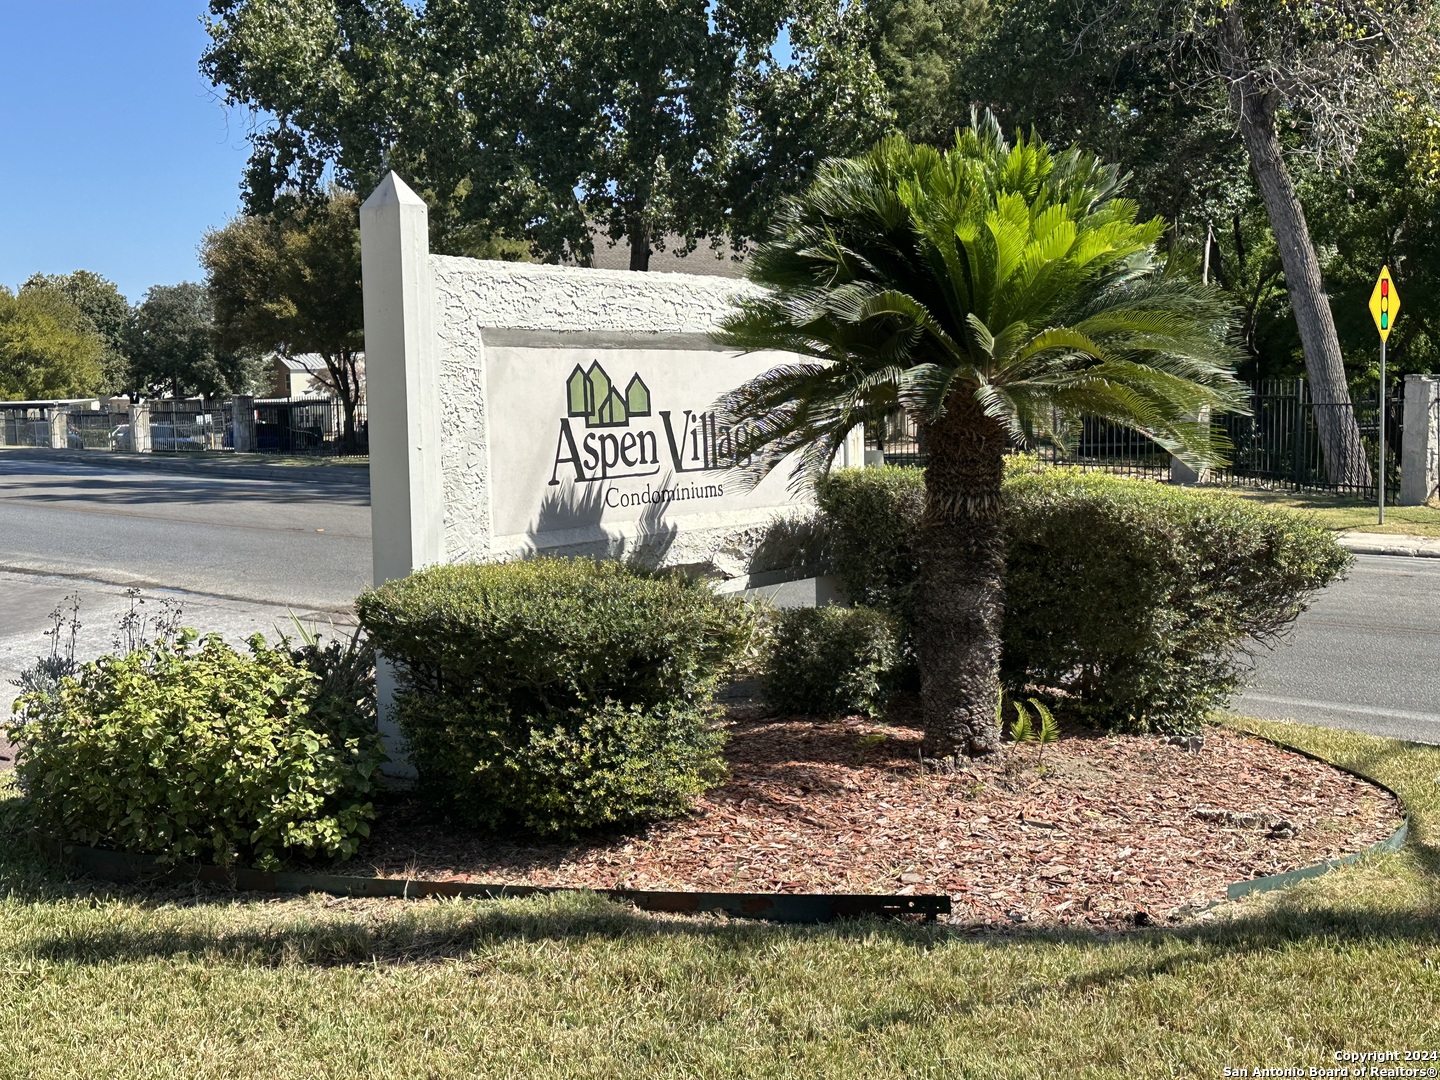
(835,660)
(1134,600)
(558,695)
(193,750)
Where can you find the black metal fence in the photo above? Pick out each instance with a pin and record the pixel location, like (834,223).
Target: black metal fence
(24,426)
(1277,446)
(187,426)
(308,426)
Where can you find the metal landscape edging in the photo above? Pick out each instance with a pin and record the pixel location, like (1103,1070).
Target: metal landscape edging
(1237,889)
(119,866)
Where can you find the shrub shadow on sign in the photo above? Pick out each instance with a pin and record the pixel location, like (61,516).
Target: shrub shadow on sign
(568,508)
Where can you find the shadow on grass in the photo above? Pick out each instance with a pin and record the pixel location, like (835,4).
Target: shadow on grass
(1388,899)
(204,922)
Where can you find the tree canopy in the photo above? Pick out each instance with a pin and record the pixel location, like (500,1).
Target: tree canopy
(647,120)
(108,311)
(172,345)
(48,347)
(289,283)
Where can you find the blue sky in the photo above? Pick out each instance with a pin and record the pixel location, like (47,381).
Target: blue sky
(115,155)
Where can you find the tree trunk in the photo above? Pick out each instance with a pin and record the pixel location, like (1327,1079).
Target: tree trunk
(1254,107)
(346,385)
(961,597)
(639,233)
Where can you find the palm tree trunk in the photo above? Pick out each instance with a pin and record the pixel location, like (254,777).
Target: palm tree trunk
(1254,107)
(961,599)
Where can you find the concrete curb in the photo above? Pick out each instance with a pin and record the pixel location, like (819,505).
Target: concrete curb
(1413,547)
(251,467)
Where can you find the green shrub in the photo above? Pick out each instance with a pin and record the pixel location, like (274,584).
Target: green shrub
(560,695)
(197,751)
(870,518)
(1135,599)
(835,660)
(561,771)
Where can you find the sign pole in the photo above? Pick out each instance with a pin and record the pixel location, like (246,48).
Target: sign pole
(1384,306)
(1381,470)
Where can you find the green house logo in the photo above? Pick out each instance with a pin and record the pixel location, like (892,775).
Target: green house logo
(593,395)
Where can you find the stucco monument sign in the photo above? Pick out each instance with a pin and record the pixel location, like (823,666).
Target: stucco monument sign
(517,409)
(586,441)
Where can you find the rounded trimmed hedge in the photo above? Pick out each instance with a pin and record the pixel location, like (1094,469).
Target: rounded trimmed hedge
(1135,601)
(559,695)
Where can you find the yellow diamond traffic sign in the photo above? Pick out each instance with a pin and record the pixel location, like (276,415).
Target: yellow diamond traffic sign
(1384,304)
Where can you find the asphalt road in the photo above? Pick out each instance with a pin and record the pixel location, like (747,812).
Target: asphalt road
(296,536)
(237,551)
(1366,656)
(240,552)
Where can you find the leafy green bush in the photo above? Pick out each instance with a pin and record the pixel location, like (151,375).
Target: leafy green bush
(835,660)
(1135,599)
(560,695)
(870,518)
(193,751)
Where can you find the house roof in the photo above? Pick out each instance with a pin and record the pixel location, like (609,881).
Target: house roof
(704,260)
(302,362)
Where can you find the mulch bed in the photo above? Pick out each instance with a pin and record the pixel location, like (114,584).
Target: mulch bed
(1116,831)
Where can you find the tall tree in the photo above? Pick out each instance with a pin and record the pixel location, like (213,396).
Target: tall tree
(108,311)
(1289,78)
(48,347)
(984,290)
(172,345)
(826,99)
(1381,212)
(541,119)
(923,52)
(290,283)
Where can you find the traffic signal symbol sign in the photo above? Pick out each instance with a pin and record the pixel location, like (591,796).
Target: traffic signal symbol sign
(1384,303)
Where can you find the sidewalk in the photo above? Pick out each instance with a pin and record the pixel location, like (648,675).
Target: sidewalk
(29,598)
(1415,547)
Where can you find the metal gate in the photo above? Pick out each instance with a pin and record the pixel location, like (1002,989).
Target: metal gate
(306,426)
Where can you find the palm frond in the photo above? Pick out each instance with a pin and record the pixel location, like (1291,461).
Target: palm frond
(996,269)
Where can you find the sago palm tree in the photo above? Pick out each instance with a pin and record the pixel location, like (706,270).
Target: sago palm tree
(985,291)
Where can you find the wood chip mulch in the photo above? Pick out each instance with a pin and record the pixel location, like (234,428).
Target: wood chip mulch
(1115,831)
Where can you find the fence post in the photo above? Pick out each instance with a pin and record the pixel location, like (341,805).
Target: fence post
(1298,443)
(1180,473)
(140,427)
(242,423)
(1420,441)
(59,429)
(852,450)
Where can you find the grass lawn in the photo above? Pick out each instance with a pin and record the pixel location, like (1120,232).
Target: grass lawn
(1352,515)
(97,982)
